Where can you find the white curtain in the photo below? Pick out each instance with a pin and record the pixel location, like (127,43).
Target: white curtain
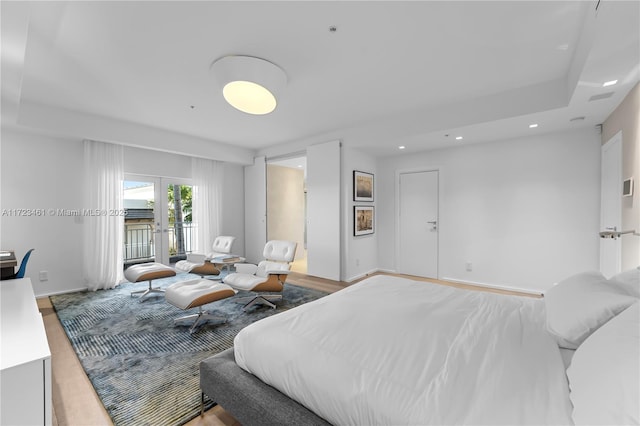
(207,178)
(104,223)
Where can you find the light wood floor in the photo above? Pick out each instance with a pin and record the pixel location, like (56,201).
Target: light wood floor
(75,402)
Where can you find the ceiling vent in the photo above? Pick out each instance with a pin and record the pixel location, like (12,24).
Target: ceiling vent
(601,96)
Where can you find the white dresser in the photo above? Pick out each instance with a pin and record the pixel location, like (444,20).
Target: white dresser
(25,362)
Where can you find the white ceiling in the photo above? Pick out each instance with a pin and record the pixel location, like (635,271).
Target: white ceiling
(393,73)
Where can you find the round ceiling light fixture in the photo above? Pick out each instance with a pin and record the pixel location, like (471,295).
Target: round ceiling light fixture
(249,84)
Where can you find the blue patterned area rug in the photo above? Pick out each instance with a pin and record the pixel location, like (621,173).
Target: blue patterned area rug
(143,367)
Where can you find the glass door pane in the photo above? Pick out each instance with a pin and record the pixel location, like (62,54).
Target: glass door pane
(140,224)
(181,228)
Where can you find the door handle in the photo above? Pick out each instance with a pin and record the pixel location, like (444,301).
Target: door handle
(433,222)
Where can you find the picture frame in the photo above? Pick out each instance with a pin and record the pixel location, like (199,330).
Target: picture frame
(627,187)
(362,186)
(363,220)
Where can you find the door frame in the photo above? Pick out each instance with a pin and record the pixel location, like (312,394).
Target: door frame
(615,143)
(161,214)
(438,169)
(324,254)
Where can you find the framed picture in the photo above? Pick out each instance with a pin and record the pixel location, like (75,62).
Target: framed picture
(627,187)
(362,186)
(363,220)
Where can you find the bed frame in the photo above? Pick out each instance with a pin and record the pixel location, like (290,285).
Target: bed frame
(247,398)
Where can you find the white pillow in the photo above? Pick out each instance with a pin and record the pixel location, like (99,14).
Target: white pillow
(604,374)
(580,304)
(628,282)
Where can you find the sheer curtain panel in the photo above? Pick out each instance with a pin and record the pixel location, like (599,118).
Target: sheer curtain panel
(207,182)
(104,226)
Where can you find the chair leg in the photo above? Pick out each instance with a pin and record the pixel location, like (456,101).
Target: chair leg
(147,291)
(200,318)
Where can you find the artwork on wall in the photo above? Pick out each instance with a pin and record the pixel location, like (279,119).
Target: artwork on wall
(362,186)
(627,187)
(363,220)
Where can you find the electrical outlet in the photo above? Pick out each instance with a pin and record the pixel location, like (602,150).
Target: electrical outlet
(44,275)
(469,266)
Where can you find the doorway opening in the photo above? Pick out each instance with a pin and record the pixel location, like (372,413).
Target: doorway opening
(287,205)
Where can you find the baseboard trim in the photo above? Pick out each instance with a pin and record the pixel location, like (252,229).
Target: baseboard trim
(364,275)
(56,293)
(494,286)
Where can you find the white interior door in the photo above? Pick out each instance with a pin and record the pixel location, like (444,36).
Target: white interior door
(323,210)
(255,209)
(418,223)
(611,205)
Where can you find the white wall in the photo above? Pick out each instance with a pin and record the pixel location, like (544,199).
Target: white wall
(525,212)
(360,256)
(43,172)
(156,163)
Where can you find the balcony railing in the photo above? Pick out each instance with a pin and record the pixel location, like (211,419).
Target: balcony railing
(139,241)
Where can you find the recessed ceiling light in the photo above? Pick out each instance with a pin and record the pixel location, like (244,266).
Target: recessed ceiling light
(401,147)
(533,126)
(609,83)
(458,138)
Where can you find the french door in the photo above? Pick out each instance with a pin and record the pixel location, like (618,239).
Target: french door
(158,222)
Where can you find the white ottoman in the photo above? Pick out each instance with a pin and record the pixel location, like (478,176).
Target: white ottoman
(148,272)
(196,293)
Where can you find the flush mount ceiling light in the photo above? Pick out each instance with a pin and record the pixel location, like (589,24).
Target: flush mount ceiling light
(249,84)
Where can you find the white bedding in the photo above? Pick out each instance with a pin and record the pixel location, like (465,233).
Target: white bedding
(394,351)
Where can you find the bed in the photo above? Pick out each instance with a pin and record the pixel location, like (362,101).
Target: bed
(390,350)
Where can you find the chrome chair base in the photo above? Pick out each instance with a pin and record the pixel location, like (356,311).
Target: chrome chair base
(260,299)
(200,318)
(147,291)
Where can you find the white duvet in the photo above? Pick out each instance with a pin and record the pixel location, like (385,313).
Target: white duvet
(391,351)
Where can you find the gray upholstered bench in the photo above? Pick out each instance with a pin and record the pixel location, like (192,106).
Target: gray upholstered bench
(249,399)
